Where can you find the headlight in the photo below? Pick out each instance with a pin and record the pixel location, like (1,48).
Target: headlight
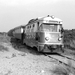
(60,22)
(60,39)
(47,38)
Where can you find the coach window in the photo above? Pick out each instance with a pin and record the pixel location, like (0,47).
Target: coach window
(21,30)
(33,25)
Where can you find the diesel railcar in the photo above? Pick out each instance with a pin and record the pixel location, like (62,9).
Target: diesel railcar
(44,33)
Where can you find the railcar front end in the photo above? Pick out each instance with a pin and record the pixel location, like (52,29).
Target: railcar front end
(50,36)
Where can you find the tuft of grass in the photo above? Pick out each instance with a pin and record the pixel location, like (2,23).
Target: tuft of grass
(9,72)
(13,55)
(65,70)
(2,48)
(60,71)
(22,54)
(4,38)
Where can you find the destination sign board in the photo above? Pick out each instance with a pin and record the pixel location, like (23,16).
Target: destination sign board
(49,21)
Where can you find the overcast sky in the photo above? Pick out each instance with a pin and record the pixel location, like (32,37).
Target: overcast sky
(14,13)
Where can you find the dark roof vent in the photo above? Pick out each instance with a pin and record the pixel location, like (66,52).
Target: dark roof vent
(48,15)
(52,16)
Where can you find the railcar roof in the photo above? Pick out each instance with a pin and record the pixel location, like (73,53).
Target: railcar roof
(21,26)
(51,18)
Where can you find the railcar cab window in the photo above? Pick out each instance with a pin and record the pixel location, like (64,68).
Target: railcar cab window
(48,27)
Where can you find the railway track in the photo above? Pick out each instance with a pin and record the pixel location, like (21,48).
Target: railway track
(59,60)
(66,56)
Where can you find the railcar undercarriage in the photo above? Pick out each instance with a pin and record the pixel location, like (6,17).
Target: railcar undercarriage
(50,48)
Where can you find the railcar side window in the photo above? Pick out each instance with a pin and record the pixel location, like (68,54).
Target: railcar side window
(27,27)
(30,26)
(33,25)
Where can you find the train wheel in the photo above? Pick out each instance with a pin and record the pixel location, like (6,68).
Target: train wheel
(24,42)
(62,49)
(50,49)
(40,49)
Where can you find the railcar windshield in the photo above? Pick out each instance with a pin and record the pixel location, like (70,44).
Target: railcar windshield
(50,27)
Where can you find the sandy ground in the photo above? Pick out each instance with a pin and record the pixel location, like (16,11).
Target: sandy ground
(17,59)
(15,62)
